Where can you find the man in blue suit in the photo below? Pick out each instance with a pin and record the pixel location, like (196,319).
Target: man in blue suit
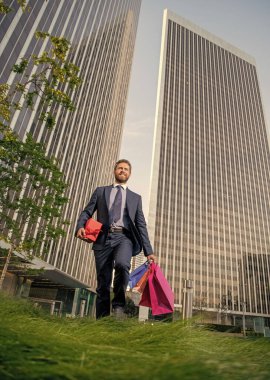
(124,234)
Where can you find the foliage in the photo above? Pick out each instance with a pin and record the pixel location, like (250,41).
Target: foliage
(35,346)
(32,186)
(52,71)
(130,309)
(6,9)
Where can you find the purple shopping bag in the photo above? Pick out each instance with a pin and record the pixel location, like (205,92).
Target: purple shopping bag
(137,274)
(157,293)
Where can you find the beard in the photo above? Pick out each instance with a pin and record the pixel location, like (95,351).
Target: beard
(121,179)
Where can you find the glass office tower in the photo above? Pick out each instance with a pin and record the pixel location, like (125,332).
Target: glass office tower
(86,142)
(209,213)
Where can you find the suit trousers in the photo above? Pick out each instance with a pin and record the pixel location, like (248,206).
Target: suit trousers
(116,254)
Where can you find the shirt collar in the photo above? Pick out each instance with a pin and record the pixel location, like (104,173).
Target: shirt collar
(123,185)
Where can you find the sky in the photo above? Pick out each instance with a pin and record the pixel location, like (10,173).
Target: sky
(242,23)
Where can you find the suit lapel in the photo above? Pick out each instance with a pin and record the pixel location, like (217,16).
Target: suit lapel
(129,201)
(107,195)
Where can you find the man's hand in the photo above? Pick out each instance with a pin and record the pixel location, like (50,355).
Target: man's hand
(81,233)
(151,258)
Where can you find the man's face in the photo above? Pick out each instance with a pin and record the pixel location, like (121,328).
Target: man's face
(122,172)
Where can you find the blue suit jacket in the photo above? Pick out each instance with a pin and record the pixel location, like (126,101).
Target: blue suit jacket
(99,202)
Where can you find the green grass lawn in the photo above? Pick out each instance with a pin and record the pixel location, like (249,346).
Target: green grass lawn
(36,346)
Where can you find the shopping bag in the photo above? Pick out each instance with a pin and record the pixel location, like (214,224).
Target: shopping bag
(139,287)
(137,274)
(145,298)
(157,293)
(92,229)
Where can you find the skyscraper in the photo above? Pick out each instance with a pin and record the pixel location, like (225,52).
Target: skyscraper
(209,213)
(86,142)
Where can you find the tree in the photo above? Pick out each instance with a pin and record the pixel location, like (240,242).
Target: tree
(26,167)
(4,8)
(32,186)
(52,71)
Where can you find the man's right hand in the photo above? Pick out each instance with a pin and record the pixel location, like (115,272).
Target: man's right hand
(81,233)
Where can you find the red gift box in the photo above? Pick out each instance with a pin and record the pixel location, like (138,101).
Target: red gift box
(92,229)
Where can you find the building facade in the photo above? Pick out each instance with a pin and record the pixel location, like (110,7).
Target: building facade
(209,213)
(87,141)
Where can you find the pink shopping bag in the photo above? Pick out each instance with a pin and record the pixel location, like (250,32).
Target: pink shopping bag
(157,293)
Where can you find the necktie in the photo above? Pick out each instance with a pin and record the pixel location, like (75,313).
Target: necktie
(117,205)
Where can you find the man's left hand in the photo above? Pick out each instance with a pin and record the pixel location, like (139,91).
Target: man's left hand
(151,258)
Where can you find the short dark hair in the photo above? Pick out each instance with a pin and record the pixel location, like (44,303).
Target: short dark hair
(123,160)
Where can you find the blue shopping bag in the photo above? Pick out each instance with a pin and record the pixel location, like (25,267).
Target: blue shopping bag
(137,274)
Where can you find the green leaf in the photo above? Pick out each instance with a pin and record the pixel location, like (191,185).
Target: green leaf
(4,8)
(26,165)
(19,68)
